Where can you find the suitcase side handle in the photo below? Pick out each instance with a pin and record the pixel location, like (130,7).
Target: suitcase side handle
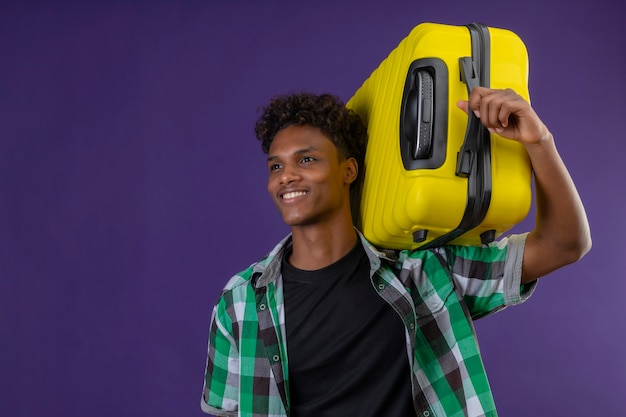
(424,115)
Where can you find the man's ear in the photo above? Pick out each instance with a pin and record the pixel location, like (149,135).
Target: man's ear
(351,170)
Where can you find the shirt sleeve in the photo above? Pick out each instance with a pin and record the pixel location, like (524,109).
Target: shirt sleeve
(489,277)
(514,291)
(221,381)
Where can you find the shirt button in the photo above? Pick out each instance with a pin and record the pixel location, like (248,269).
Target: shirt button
(412,326)
(276,358)
(381,286)
(262,307)
(426,413)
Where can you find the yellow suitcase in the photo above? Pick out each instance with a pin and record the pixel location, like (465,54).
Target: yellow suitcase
(433,174)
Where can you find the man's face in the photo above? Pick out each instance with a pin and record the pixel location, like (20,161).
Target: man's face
(308,181)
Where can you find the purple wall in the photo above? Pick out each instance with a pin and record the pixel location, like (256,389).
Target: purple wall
(131,188)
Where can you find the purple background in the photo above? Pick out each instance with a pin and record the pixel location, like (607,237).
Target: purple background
(132,188)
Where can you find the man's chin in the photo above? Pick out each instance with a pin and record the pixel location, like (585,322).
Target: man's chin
(297,220)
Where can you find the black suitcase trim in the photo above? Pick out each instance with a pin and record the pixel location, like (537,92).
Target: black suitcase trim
(474,158)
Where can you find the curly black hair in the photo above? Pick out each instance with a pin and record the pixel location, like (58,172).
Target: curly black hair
(325,111)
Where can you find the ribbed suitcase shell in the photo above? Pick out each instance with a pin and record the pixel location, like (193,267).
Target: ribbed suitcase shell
(396,202)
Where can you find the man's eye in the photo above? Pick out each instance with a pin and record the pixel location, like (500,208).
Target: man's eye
(274,167)
(308,159)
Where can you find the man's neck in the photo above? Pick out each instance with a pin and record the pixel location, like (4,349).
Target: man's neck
(316,247)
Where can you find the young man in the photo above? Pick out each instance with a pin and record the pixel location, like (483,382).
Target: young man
(327,325)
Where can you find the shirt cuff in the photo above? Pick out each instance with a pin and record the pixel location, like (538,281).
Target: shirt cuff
(514,291)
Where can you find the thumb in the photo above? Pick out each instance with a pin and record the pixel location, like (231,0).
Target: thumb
(463,105)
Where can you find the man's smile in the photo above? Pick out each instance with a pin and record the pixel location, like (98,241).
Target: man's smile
(293,194)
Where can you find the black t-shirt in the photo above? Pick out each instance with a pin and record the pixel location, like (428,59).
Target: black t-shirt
(346,346)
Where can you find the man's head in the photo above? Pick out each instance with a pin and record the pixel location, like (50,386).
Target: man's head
(326,112)
(315,146)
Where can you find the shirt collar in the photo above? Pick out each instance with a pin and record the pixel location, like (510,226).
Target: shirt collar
(268,270)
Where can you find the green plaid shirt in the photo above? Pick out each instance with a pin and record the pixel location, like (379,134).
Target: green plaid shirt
(437,293)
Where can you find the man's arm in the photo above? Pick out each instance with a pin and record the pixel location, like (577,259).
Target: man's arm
(561,235)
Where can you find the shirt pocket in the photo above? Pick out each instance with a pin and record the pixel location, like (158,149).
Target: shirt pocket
(431,302)
(430,282)
(434,320)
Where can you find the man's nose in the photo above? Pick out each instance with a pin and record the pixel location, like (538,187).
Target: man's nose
(289,174)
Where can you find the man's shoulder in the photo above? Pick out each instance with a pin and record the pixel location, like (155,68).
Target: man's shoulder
(247,276)
(241,278)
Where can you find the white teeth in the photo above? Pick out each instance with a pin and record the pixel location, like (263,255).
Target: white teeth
(293,194)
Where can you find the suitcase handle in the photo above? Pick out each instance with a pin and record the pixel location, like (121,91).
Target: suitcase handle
(468,150)
(424,114)
(419,114)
